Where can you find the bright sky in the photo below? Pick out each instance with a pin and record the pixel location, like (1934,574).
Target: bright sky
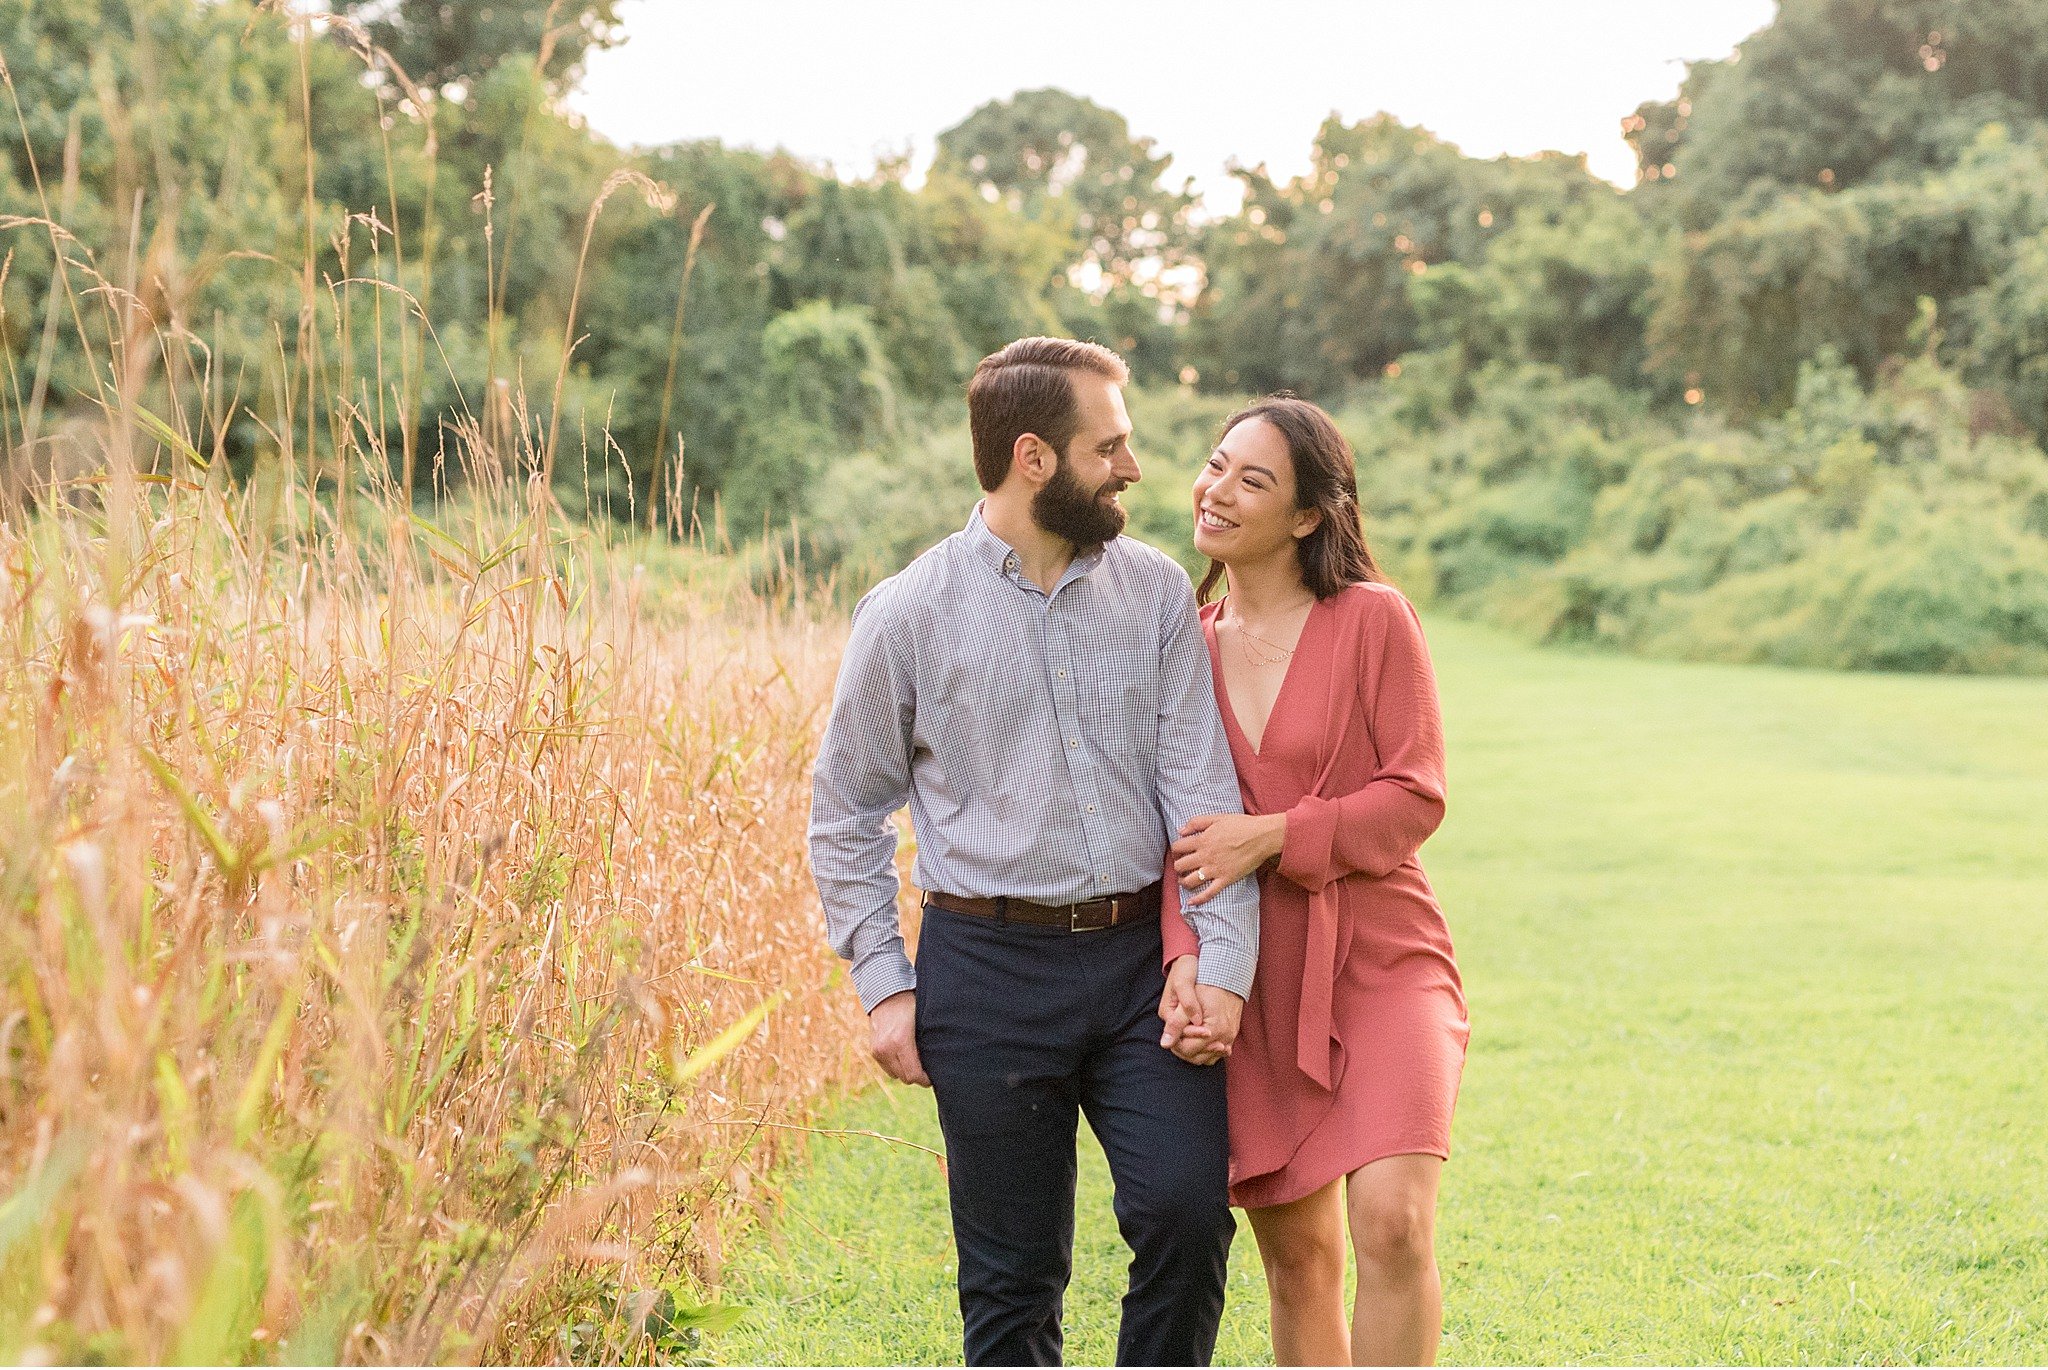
(840,81)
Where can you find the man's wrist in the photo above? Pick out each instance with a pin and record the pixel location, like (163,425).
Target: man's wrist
(899,994)
(881,977)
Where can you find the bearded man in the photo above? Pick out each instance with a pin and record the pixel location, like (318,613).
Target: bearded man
(1036,687)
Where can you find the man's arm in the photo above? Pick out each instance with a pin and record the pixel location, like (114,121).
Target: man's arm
(1196,776)
(862,776)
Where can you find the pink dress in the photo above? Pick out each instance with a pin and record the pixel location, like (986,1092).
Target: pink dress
(1354,1037)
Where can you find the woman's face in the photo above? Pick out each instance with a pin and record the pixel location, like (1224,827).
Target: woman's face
(1244,497)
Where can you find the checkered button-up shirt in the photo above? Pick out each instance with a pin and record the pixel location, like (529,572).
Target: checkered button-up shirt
(1049,746)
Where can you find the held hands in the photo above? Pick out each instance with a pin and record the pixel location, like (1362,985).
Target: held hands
(1201,1020)
(1218,849)
(892,1033)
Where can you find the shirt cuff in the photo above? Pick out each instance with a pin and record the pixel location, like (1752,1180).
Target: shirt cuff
(881,975)
(1225,968)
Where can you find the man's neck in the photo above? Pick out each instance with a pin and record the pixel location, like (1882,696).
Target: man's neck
(1044,556)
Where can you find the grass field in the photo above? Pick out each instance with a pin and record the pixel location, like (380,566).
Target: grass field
(1758,969)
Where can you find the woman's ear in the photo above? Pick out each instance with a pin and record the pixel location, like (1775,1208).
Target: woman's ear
(1306,521)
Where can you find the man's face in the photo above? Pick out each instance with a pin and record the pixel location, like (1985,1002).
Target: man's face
(1080,502)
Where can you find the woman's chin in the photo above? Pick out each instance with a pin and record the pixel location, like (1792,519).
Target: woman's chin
(1207,543)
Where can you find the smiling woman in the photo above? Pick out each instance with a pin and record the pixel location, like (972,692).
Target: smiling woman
(1345,1073)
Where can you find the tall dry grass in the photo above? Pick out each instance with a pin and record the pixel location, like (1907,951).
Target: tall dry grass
(406,947)
(396,966)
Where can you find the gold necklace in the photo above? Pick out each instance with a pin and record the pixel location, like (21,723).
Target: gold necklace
(1245,639)
(1274,653)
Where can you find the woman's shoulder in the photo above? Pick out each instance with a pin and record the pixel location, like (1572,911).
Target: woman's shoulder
(1370,599)
(1211,609)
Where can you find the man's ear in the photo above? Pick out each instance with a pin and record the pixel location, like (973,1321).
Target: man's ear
(1035,457)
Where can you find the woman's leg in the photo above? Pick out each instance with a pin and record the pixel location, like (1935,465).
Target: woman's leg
(1400,1310)
(1301,1245)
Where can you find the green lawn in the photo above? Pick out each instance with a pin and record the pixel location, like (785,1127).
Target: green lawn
(1758,970)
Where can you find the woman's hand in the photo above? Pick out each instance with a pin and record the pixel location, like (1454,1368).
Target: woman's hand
(1216,850)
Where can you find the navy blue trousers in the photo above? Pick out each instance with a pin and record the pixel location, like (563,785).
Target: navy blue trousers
(1021,1030)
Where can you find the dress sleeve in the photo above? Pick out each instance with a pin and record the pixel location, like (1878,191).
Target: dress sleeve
(1377,827)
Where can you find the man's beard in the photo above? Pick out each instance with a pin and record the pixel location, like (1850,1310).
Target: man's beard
(1066,508)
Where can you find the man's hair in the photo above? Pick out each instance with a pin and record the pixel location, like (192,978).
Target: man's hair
(1028,387)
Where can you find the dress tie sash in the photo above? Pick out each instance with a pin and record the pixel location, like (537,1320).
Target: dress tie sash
(1316,1049)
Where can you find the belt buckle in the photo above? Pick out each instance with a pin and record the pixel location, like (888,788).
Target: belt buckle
(1074,923)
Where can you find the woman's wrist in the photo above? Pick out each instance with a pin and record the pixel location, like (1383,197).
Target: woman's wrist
(1275,836)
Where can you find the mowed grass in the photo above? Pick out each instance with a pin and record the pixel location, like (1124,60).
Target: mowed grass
(1758,971)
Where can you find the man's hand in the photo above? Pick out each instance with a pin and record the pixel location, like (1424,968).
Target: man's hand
(1185,1008)
(1178,1003)
(892,1034)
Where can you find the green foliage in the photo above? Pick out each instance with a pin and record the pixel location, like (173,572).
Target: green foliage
(1043,150)
(1863,530)
(1316,285)
(1842,93)
(437,42)
(1738,307)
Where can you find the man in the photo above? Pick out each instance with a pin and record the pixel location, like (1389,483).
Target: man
(1037,688)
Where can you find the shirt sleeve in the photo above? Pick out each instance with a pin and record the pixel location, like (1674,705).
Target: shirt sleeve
(1196,776)
(862,777)
(1382,824)
(1176,938)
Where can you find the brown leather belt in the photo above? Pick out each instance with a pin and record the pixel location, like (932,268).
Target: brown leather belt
(1092,916)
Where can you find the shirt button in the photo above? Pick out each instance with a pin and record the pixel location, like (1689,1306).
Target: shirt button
(1072,743)
(1062,674)
(1102,880)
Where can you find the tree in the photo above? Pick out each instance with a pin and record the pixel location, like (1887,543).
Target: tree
(1047,148)
(1312,285)
(1837,93)
(438,42)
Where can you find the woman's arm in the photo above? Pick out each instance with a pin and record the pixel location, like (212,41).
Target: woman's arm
(1375,828)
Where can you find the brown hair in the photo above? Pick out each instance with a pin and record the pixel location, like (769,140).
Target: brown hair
(1326,479)
(1027,388)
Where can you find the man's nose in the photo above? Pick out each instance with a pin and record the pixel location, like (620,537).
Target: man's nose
(1127,467)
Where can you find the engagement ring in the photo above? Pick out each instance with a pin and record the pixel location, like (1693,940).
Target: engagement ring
(1201,876)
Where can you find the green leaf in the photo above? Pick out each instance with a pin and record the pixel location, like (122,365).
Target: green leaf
(726,1042)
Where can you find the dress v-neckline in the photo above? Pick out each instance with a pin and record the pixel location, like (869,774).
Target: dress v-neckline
(1229,705)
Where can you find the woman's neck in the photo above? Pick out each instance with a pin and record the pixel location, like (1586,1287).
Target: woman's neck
(1269,587)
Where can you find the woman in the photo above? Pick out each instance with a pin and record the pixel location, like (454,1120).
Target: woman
(1345,1069)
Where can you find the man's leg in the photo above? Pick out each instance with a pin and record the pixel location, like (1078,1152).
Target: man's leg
(999,1023)
(1162,1124)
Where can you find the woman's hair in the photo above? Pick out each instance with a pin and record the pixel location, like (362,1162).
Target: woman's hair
(1325,479)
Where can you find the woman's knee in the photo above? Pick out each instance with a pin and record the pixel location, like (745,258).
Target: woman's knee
(1394,1230)
(1303,1255)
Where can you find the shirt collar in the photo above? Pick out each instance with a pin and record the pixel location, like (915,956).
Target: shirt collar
(992,550)
(1001,558)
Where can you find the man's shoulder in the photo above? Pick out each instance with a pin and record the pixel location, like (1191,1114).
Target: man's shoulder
(1148,564)
(913,589)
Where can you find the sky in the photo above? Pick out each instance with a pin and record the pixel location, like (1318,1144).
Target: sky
(846,81)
